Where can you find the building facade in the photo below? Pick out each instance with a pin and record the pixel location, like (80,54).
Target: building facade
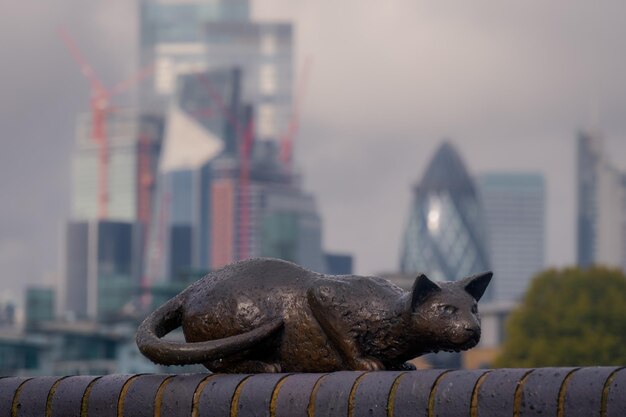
(601,219)
(515,209)
(39,306)
(204,124)
(103,268)
(445,236)
(192,36)
(133,148)
(280,219)
(218,202)
(339,263)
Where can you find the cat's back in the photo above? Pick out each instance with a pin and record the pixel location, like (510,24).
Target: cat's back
(261,277)
(360,292)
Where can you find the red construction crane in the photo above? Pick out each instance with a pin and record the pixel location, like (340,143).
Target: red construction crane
(286,142)
(244,187)
(246,142)
(100,105)
(245,136)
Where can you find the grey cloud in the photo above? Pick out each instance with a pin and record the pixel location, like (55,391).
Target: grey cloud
(510,83)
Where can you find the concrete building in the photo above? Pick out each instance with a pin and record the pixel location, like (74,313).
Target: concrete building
(515,209)
(77,348)
(291,228)
(601,226)
(282,220)
(103,267)
(39,306)
(445,235)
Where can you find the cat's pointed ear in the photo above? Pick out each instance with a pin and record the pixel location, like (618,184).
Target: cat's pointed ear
(476,284)
(422,288)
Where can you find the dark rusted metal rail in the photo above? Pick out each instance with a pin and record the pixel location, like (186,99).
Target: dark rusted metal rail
(559,392)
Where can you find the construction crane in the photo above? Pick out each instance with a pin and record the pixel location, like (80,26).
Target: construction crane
(246,141)
(245,138)
(100,105)
(244,186)
(287,140)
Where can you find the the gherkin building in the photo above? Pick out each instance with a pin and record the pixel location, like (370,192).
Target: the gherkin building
(445,235)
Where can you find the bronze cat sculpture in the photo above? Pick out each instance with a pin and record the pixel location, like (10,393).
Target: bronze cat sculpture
(268,315)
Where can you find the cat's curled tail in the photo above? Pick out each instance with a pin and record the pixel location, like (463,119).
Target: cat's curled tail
(165,352)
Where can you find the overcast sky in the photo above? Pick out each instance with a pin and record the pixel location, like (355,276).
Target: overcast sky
(508,83)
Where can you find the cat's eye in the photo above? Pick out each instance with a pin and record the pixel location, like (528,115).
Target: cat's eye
(474,309)
(448,309)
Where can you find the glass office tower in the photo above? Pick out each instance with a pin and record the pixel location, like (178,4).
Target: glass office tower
(134,144)
(445,236)
(103,264)
(182,37)
(601,219)
(515,210)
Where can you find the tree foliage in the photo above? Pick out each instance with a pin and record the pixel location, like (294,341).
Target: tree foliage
(569,317)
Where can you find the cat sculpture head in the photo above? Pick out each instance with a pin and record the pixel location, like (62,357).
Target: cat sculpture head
(445,314)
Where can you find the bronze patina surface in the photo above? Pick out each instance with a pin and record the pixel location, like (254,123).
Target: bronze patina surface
(268,315)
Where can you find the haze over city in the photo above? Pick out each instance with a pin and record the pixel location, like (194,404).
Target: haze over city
(510,85)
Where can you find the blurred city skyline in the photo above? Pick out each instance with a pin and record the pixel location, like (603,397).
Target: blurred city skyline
(509,85)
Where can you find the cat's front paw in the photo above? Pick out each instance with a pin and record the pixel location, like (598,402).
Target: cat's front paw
(402,366)
(367,364)
(407,366)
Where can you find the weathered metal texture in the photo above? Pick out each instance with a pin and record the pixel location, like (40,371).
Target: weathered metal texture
(614,398)
(294,394)
(557,392)
(291,319)
(67,398)
(495,392)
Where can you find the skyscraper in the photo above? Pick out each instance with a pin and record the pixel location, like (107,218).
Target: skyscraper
(190,36)
(514,206)
(282,220)
(204,117)
(445,235)
(214,215)
(601,232)
(104,256)
(134,144)
(103,264)
(171,38)
(217,75)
